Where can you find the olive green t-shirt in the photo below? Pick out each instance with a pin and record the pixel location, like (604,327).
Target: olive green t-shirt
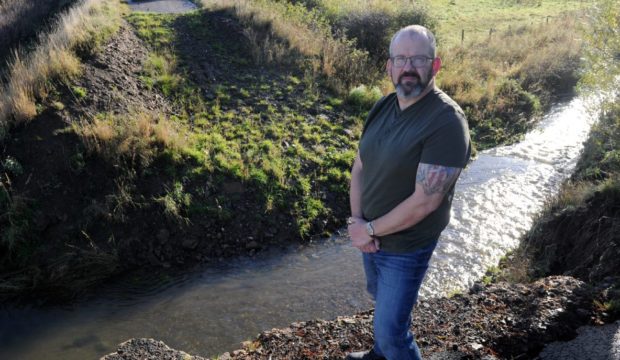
(433,131)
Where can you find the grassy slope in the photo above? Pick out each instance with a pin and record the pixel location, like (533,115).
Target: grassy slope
(20,21)
(503,82)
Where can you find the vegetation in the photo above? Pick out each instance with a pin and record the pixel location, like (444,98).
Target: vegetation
(31,76)
(503,81)
(21,20)
(269,140)
(470,22)
(371,24)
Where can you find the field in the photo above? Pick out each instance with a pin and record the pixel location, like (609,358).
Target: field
(479,18)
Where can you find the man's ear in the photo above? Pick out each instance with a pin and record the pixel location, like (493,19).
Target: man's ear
(436,65)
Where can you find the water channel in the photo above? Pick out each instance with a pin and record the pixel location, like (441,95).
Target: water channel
(211,310)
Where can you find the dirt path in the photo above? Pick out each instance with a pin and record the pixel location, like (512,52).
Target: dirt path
(162,6)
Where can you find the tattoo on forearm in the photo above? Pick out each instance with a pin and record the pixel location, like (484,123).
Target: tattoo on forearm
(435,178)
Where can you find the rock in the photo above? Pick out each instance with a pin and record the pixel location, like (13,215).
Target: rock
(476,346)
(138,349)
(190,243)
(163,236)
(253,245)
(233,187)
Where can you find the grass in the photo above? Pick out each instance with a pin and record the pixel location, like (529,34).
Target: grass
(372,23)
(132,140)
(287,33)
(20,20)
(274,139)
(258,133)
(476,18)
(504,80)
(30,76)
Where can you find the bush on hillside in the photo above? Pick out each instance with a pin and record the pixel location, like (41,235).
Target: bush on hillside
(373,28)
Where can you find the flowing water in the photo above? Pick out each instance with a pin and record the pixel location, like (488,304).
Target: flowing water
(212,310)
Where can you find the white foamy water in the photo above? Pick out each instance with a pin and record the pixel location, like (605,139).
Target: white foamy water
(498,194)
(212,310)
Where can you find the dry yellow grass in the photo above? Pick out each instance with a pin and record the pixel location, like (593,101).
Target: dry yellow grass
(294,30)
(134,137)
(53,59)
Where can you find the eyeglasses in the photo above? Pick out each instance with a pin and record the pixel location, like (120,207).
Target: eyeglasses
(416,61)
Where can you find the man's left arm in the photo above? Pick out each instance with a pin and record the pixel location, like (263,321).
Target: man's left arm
(432,184)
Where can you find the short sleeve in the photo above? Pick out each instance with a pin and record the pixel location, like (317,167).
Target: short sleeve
(449,144)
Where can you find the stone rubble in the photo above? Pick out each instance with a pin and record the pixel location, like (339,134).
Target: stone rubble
(497,321)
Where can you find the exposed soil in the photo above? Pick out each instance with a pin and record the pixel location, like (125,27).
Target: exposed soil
(581,241)
(500,321)
(111,79)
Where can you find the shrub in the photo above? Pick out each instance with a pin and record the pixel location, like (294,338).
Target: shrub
(364,97)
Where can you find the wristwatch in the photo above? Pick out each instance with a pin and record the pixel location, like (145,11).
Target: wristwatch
(370,229)
(350,220)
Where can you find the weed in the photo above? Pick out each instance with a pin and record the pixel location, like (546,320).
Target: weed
(175,201)
(58,106)
(79,92)
(13,166)
(16,222)
(133,140)
(363,97)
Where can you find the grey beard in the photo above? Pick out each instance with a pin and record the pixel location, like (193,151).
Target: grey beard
(408,95)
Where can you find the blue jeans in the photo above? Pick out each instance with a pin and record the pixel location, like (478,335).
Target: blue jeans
(393,280)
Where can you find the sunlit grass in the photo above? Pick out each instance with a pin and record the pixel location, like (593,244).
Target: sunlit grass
(30,77)
(478,18)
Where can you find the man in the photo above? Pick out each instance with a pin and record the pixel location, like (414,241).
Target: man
(414,145)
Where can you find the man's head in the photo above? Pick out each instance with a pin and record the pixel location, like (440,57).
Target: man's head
(412,65)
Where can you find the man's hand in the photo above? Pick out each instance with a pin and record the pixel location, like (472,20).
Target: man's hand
(360,238)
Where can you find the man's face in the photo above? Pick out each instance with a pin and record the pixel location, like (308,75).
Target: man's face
(410,81)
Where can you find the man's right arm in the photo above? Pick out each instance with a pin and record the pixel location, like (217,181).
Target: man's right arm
(355,192)
(357,230)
